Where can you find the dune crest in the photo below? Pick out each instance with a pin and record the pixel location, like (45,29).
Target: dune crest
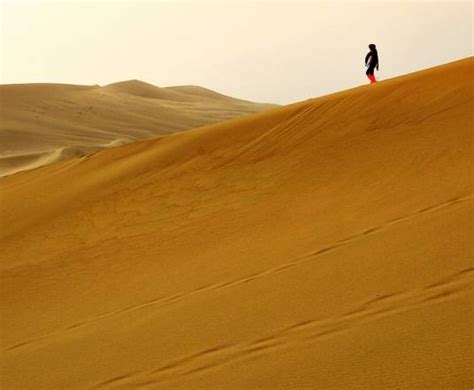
(325,244)
(142,89)
(17,163)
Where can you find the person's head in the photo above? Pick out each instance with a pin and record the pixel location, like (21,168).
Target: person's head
(372,46)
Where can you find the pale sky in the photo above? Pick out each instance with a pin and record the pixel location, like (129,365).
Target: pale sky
(268,51)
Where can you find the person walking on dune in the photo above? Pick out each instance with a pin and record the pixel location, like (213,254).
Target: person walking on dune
(372,63)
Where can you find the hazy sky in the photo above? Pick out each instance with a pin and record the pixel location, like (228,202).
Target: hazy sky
(274,51)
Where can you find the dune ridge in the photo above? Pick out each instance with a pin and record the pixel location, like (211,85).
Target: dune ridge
(325,244)
(17,163)
(42,119)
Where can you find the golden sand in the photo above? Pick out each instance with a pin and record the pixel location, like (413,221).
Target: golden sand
(325,244)
(44,123)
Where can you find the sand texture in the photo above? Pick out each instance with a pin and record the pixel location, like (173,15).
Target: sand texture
(44,123)
(324,244)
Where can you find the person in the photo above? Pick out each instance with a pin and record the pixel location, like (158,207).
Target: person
(372,63)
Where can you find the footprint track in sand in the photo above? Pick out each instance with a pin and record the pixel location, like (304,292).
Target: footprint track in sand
(162,301)
(305,332)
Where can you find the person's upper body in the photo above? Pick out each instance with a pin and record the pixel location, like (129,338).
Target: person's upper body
(372,57)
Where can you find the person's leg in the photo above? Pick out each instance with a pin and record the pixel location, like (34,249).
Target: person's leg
(370,75)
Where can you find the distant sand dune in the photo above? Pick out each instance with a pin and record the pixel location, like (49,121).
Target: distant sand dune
(322,245)
(142,89)
(40,119)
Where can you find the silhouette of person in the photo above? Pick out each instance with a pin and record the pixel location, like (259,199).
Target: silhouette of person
(372,63)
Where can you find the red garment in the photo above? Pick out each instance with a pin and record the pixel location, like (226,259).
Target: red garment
(371,78)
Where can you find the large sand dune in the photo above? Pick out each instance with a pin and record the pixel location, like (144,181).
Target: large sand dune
(42,123)
(326,244)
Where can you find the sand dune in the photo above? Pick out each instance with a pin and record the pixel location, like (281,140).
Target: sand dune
(325,244)
(17,163)
(42,119)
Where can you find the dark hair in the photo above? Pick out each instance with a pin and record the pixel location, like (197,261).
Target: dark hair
(372,46)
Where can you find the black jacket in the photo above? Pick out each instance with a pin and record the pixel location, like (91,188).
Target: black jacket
(372,59)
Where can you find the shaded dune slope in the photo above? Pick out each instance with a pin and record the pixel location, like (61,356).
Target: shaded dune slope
(325,244)
(201,92)
(43,119)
